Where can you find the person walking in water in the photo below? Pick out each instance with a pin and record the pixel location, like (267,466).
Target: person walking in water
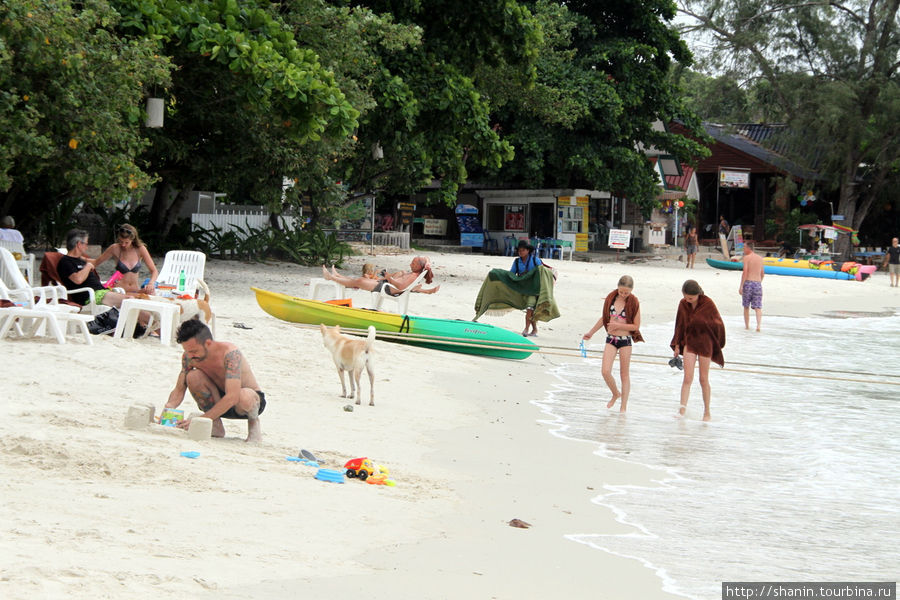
(750,288)
(621,317)
(700,337)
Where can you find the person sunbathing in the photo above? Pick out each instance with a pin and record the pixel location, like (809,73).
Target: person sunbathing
(393,283)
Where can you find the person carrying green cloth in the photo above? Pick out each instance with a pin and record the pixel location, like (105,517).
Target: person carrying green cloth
(527,286)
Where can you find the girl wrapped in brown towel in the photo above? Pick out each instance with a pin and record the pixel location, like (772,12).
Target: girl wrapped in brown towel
(700,337)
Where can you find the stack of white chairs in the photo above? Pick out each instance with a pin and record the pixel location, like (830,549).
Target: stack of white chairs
(24,264)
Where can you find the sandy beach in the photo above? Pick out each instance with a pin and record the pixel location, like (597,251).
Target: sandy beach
(93,510)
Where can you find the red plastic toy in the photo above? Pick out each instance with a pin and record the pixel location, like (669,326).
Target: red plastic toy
(360,468)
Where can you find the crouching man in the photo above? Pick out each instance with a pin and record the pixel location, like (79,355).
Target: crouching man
(220,380)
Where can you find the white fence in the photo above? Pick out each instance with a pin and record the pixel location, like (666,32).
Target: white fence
(238,222)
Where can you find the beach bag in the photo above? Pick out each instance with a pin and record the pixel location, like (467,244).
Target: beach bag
(105,322)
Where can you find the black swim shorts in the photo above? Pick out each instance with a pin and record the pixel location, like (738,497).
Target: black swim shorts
(231,414)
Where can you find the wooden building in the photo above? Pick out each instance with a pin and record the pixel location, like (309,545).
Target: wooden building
(740,178)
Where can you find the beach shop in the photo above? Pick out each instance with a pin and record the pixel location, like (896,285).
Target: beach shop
(570,215)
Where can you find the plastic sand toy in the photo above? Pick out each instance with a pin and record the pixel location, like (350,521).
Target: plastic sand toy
(360,468)
(330,475)
(302,461)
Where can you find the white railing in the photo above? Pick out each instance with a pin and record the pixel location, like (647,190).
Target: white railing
(238,222)
(392,238)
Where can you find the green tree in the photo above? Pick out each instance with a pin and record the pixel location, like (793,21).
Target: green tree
(432,115)
(601,85)
(71,95)
(717,99)
(411,72)
(833,69)
(245,100)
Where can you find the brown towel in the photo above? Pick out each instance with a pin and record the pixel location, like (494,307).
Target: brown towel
(632,307)
(701,329)
(49,276)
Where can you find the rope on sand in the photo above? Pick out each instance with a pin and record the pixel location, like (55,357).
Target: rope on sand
(763,365)
(578,353)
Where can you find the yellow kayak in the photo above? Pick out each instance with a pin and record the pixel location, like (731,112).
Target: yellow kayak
(795,263)
(467,337)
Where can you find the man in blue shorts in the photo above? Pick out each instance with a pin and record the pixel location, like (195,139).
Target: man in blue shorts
(751,284)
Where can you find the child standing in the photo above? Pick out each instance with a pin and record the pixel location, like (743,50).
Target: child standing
(699,337)
(621,317)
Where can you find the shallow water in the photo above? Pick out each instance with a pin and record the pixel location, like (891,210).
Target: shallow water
(795,479)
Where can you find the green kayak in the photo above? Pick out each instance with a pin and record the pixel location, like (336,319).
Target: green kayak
(466,337)
(725,264)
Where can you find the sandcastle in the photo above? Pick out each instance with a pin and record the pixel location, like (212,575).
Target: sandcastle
(200,428)
(139,416)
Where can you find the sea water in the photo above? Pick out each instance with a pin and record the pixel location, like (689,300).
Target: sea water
(796,478)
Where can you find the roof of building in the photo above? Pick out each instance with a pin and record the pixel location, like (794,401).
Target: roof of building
(680,182)
(764,142)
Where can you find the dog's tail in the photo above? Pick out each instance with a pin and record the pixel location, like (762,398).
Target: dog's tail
(370,339)
(204,288)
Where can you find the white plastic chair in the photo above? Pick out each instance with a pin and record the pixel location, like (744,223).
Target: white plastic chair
(25,264)
(402,300)
(192,263)
(18,290)
(41,318)
(325,289)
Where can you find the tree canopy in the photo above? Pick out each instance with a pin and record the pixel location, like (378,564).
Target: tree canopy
(833,71)
(601,85)
(344,98)
(71,92)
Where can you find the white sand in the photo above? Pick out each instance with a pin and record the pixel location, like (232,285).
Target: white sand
(91,509)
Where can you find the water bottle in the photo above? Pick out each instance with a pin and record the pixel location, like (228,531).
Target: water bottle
(181,281)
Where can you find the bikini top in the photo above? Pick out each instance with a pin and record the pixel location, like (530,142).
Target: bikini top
(612,311)
(123,268)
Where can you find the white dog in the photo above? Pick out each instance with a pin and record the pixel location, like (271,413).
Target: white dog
(353,355)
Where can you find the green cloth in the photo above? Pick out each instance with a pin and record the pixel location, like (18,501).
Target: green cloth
(503,290)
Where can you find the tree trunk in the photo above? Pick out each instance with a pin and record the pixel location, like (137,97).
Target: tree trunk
(160,204)
(174,210)
(314,212)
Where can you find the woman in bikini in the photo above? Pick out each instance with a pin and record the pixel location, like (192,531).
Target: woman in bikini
(129,251)
(394,283)
(622,319)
